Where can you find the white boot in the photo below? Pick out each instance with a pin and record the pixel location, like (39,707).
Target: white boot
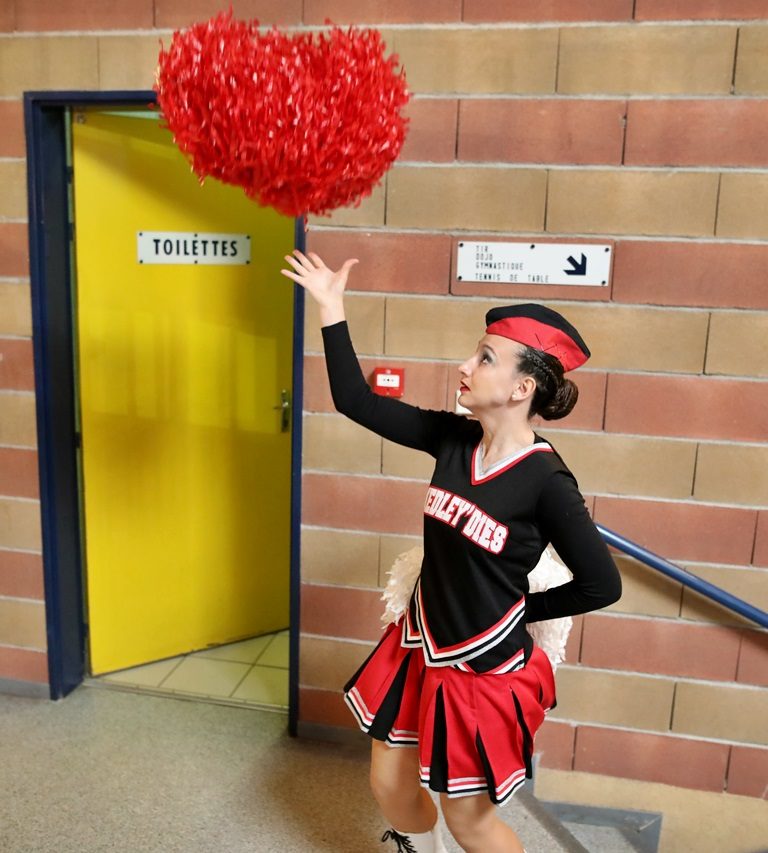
(416,842)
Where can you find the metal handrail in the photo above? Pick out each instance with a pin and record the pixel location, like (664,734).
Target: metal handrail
(732,602)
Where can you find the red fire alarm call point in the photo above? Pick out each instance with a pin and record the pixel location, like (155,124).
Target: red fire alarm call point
(389,381)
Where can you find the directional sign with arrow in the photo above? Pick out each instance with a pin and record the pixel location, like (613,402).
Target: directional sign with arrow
(534,263)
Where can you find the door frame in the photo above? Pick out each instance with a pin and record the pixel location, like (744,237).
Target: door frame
(49,177)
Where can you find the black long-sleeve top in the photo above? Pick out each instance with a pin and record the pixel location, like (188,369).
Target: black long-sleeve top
(483,531)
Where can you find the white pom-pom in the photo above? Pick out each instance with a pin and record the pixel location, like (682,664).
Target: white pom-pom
(551,635)
(402,579)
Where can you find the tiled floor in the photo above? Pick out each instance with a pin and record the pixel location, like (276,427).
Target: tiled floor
(252,672)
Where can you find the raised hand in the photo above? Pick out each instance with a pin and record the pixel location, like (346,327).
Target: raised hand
(325,285)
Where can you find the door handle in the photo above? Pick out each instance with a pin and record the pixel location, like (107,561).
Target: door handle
(285,410)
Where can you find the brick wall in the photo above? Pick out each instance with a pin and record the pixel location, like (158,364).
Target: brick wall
(22,610)
(649,135)
(639,122)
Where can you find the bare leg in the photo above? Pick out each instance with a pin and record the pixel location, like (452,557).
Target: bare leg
(476,826)
(395,784)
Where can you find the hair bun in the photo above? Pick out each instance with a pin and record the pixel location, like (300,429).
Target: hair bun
(555,395)
(563,400)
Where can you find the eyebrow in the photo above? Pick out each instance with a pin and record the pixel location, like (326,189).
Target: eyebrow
(489,347)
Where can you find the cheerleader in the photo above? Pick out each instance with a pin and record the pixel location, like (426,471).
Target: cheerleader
(453,694)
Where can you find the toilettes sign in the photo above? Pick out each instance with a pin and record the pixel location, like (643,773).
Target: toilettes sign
(187,247)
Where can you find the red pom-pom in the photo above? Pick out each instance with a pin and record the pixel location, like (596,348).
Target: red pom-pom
(304,123)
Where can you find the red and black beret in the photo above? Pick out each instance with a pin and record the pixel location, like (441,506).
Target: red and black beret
(541,328)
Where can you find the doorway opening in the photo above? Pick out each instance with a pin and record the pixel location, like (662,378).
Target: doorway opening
(168,388)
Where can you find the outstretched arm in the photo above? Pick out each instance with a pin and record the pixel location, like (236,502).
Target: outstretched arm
(408,425)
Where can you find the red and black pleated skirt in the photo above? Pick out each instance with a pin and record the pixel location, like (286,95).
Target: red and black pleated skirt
(474,732)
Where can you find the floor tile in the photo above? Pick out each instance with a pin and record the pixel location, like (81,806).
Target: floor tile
(206,677)
(276,653)
(246,651)
(147,675)
(264,685)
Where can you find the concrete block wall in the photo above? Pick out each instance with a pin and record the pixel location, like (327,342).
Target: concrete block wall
(636,121)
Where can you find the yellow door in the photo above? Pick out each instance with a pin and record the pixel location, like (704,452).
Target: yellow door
(182,369)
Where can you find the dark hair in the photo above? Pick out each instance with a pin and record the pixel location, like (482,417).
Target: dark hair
(555,395)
